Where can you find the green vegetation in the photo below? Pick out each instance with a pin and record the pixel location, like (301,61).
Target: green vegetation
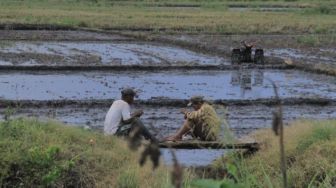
(310,150)
(49,154)
(176,16)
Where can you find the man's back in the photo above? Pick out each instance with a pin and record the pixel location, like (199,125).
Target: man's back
(207,117)
(119,110)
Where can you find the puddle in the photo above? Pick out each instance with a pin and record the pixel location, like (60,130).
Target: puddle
(233,84)
(193,157)
(104,53)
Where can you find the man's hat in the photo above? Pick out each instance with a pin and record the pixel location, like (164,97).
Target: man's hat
(128,91)
(196,99)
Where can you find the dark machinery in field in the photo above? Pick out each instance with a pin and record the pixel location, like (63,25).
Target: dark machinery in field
(244,55)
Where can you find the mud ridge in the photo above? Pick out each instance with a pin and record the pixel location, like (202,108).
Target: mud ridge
(163,102)
(19,26)
(295,66)
(318,69)
(267,6)
(136,67)
(172,5)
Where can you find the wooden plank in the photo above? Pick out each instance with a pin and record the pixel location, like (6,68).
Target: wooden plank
(208,144)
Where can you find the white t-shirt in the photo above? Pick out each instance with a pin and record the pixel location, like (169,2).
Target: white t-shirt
(120,110)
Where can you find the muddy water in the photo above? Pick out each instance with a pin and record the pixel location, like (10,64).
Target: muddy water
(200,157)
(100,53)
(236,84)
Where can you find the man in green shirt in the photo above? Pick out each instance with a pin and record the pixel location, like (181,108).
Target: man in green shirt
(203,123)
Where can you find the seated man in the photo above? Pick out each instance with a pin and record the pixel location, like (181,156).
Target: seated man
(203,123)
(119,120)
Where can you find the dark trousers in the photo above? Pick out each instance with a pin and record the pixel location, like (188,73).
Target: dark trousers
(136,124)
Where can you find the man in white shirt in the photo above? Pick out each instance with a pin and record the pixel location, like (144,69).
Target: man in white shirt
(119,120)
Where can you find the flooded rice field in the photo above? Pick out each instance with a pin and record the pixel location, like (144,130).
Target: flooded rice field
(243,88)
(235,84)
(29,53)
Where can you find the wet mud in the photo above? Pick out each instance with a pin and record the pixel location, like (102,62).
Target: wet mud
(277,48)
(100,53)
(165,120)
(108,48)
(214,85)
(59,35)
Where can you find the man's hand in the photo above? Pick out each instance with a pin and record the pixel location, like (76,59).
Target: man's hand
(137,113)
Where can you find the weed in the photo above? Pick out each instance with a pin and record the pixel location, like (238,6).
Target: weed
(127,179)
(8,113)
(309,148)
(319,134)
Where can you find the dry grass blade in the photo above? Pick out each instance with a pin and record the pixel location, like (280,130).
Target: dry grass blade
(278,130)
(134,139)
(177,172)
(151,150)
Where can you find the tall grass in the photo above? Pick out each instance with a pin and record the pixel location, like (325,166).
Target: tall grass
(48,154)
(310,149)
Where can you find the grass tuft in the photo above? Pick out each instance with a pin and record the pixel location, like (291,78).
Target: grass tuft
(310,149)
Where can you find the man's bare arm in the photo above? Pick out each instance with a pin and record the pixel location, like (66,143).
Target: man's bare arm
(134,115)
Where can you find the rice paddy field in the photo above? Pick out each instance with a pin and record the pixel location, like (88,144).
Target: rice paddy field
(67,60)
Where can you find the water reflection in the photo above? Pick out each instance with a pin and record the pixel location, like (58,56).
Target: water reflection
(230,84)
(247,79)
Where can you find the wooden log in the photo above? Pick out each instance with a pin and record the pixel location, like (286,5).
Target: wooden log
(253,146)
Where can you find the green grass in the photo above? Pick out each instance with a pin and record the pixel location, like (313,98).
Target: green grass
(310,152)
(209,17)
(48,154)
